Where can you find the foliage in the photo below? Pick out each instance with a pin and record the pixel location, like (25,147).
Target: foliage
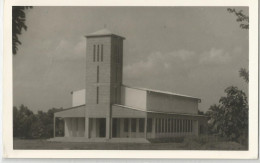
(200,112)
(244,19)
(230,118)
(243,73)
(241,17)
(18,24)
(26,124)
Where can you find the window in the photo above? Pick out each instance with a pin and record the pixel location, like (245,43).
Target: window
(149,125)
(97,94)
(184,125)
(181,126)
(102,53)
(188,127)
(98,53)
(116,95)
(169,125)
(177,125)
(191,127)
(126,124)
(97,74)
(133,124)
(159,125)
(94,53)
(116,75)
(162,125)
(166,125)
(141,124)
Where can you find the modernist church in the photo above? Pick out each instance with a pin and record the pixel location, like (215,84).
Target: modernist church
(107,110)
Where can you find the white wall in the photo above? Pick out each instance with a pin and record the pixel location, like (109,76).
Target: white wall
(78,97)
(172,104)
(135,98)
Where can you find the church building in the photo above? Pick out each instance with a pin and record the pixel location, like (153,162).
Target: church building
(107,110)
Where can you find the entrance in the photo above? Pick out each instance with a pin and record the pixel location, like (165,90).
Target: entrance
(114,128)
(102,127)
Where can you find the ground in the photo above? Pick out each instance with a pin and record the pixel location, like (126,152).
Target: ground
(185,145)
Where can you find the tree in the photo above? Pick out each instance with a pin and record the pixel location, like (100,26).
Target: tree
(23,118)
(244,24)
(241,17)
(18,24)
(230,118)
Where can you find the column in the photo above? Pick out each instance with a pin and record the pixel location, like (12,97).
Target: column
(130,129)
(108,127)
(54,124)
(154,125)
(87,127)
(145,127)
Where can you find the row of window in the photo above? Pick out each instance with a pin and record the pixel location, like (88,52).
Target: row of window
(97,50)
(162,125)
(170,125)
(133,126)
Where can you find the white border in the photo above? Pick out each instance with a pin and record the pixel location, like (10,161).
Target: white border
(252,153)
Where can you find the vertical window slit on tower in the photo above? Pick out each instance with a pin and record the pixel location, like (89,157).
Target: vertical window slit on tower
(97,94)
(94,53)
(102,53)
(98,53)
(97,74)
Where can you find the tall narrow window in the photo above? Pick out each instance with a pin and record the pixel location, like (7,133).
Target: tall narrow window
(116,74)
(97,94)
(133,124)
(162,125)
(149,125)
(97,74)
(102,53)
(159,125)
(94,53)
(169,125)
(98,53)
(191,126)
(141,124)
(126,124)
(116,95)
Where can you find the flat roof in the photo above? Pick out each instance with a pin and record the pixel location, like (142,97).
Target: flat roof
(103,32)
(163,92)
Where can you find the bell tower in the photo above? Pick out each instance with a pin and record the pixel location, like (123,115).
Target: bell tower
(104,62)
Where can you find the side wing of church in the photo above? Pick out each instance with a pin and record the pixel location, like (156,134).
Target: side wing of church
(107,110)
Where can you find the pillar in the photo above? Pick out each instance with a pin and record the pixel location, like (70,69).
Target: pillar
(54,124)
(108,128)
(87,127)
(153,127)
(145,127)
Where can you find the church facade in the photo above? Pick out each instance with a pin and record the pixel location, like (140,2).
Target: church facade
(107,110)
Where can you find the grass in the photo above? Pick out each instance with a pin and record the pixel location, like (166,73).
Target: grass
(187,144)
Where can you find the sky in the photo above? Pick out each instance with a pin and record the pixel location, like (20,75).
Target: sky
(195,51)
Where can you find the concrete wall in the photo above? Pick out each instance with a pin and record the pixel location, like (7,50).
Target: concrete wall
(74,127)
(78,97)
(133,97)
(123,112)
(172,104)
(74,112)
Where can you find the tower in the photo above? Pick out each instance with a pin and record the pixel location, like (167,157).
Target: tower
(104,61)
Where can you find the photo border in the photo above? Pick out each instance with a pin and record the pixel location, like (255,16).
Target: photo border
(9,152)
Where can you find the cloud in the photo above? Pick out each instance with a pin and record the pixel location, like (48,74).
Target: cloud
(215,56)
(157,63)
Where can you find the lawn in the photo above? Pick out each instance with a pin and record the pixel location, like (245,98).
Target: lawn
(42,144)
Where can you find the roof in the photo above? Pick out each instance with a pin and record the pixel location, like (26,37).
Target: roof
(149,111)
(103,32)
(163,92)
